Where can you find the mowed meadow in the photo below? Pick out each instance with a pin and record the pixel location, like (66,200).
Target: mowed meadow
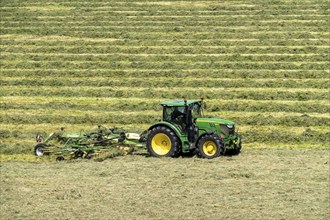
(263,64)
(77,64)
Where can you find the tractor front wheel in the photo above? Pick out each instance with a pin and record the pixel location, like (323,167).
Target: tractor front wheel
(210,146)
(162,142)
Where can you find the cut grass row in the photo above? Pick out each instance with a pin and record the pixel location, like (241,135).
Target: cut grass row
(320,27)
(220,33)
(172,9)
(225,105)
(78,116)
(188,5)
(155,73)
(105,57)
(163,65)
(183,21)
(68,38)
(157,14)
(185,3)
(173,93)
(262,26)
(168,82)
(142,104)
(233,20)
(66,41)
(111,47)
(263,19)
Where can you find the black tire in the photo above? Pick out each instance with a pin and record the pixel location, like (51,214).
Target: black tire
(78,154)
(163,142)
(210,146)
(39,150)
(60,158)
(234,152)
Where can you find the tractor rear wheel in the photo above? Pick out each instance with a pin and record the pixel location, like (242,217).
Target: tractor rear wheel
(210,146)
(163,142)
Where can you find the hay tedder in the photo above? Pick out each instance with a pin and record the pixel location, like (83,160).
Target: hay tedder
(182,130)
(87,144)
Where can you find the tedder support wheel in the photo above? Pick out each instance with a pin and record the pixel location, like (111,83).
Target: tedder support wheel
(210,146)
(39,150)
(162,142)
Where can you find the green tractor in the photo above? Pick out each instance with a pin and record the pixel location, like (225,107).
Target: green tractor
(184,130)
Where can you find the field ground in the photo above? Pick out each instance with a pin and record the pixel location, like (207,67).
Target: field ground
(257,184)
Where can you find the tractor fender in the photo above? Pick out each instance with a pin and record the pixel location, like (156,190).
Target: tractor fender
(169,126)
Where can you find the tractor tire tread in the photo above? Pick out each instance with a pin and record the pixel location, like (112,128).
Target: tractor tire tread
(210,137)
(174,152)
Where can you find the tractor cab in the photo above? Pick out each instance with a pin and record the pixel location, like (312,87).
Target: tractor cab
(181,113)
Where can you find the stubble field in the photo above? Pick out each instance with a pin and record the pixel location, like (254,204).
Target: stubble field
(257,184)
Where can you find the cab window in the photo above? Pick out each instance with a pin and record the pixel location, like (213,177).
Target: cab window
(196,111)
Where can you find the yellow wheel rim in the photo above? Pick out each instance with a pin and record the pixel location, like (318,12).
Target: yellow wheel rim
(161,144)
(209,148)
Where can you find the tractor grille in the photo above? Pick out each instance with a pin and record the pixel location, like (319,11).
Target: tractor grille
(227,131)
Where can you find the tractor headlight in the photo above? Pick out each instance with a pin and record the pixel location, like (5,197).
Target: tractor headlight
(230,126)
(227,129)
(231,129)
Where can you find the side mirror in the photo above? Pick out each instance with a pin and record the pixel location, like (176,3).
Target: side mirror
(203,103)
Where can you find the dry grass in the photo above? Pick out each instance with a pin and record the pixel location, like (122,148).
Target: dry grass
(257,184)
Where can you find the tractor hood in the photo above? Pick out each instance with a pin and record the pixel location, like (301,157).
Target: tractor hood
(214,121)
(221,127)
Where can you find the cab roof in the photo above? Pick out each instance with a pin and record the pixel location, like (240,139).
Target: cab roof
(179,103)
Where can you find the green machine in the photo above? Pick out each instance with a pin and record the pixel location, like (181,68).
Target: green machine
(183,129)
(86,144)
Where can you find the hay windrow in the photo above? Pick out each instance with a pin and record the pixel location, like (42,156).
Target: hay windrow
(262,64)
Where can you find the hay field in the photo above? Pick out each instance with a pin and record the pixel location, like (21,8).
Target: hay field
(261,63)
